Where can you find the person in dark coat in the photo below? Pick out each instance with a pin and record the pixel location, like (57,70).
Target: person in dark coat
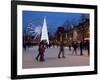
(42,50)
(61,50)
(69,46)
(81,48)
(88,47)
(39,51)
(74,45)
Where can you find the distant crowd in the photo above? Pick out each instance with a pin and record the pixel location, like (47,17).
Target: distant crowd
(72,47)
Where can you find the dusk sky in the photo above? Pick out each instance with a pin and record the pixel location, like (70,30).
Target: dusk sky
(53,19)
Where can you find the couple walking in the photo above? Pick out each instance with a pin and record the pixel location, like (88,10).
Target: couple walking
(41,51)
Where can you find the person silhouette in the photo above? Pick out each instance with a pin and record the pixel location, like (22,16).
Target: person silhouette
(81,47)
(42,50)
(61,50)
(74,45)
(39,51)
(88,47)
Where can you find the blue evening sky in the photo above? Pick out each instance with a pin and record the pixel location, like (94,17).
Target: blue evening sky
(53,19)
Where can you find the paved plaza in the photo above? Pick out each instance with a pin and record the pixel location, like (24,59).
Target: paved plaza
(51,59)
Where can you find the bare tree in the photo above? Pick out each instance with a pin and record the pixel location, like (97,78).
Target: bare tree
(83,19)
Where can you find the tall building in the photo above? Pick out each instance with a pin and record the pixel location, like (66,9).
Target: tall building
(77,33)
(83,32)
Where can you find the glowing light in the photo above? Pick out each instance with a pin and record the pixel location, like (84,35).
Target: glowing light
(44,35)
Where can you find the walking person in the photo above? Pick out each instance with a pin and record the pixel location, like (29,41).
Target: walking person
(61,50)
(74,45)
(69,46)
(88,47)
(40,45)
(42,50)
(81,48)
